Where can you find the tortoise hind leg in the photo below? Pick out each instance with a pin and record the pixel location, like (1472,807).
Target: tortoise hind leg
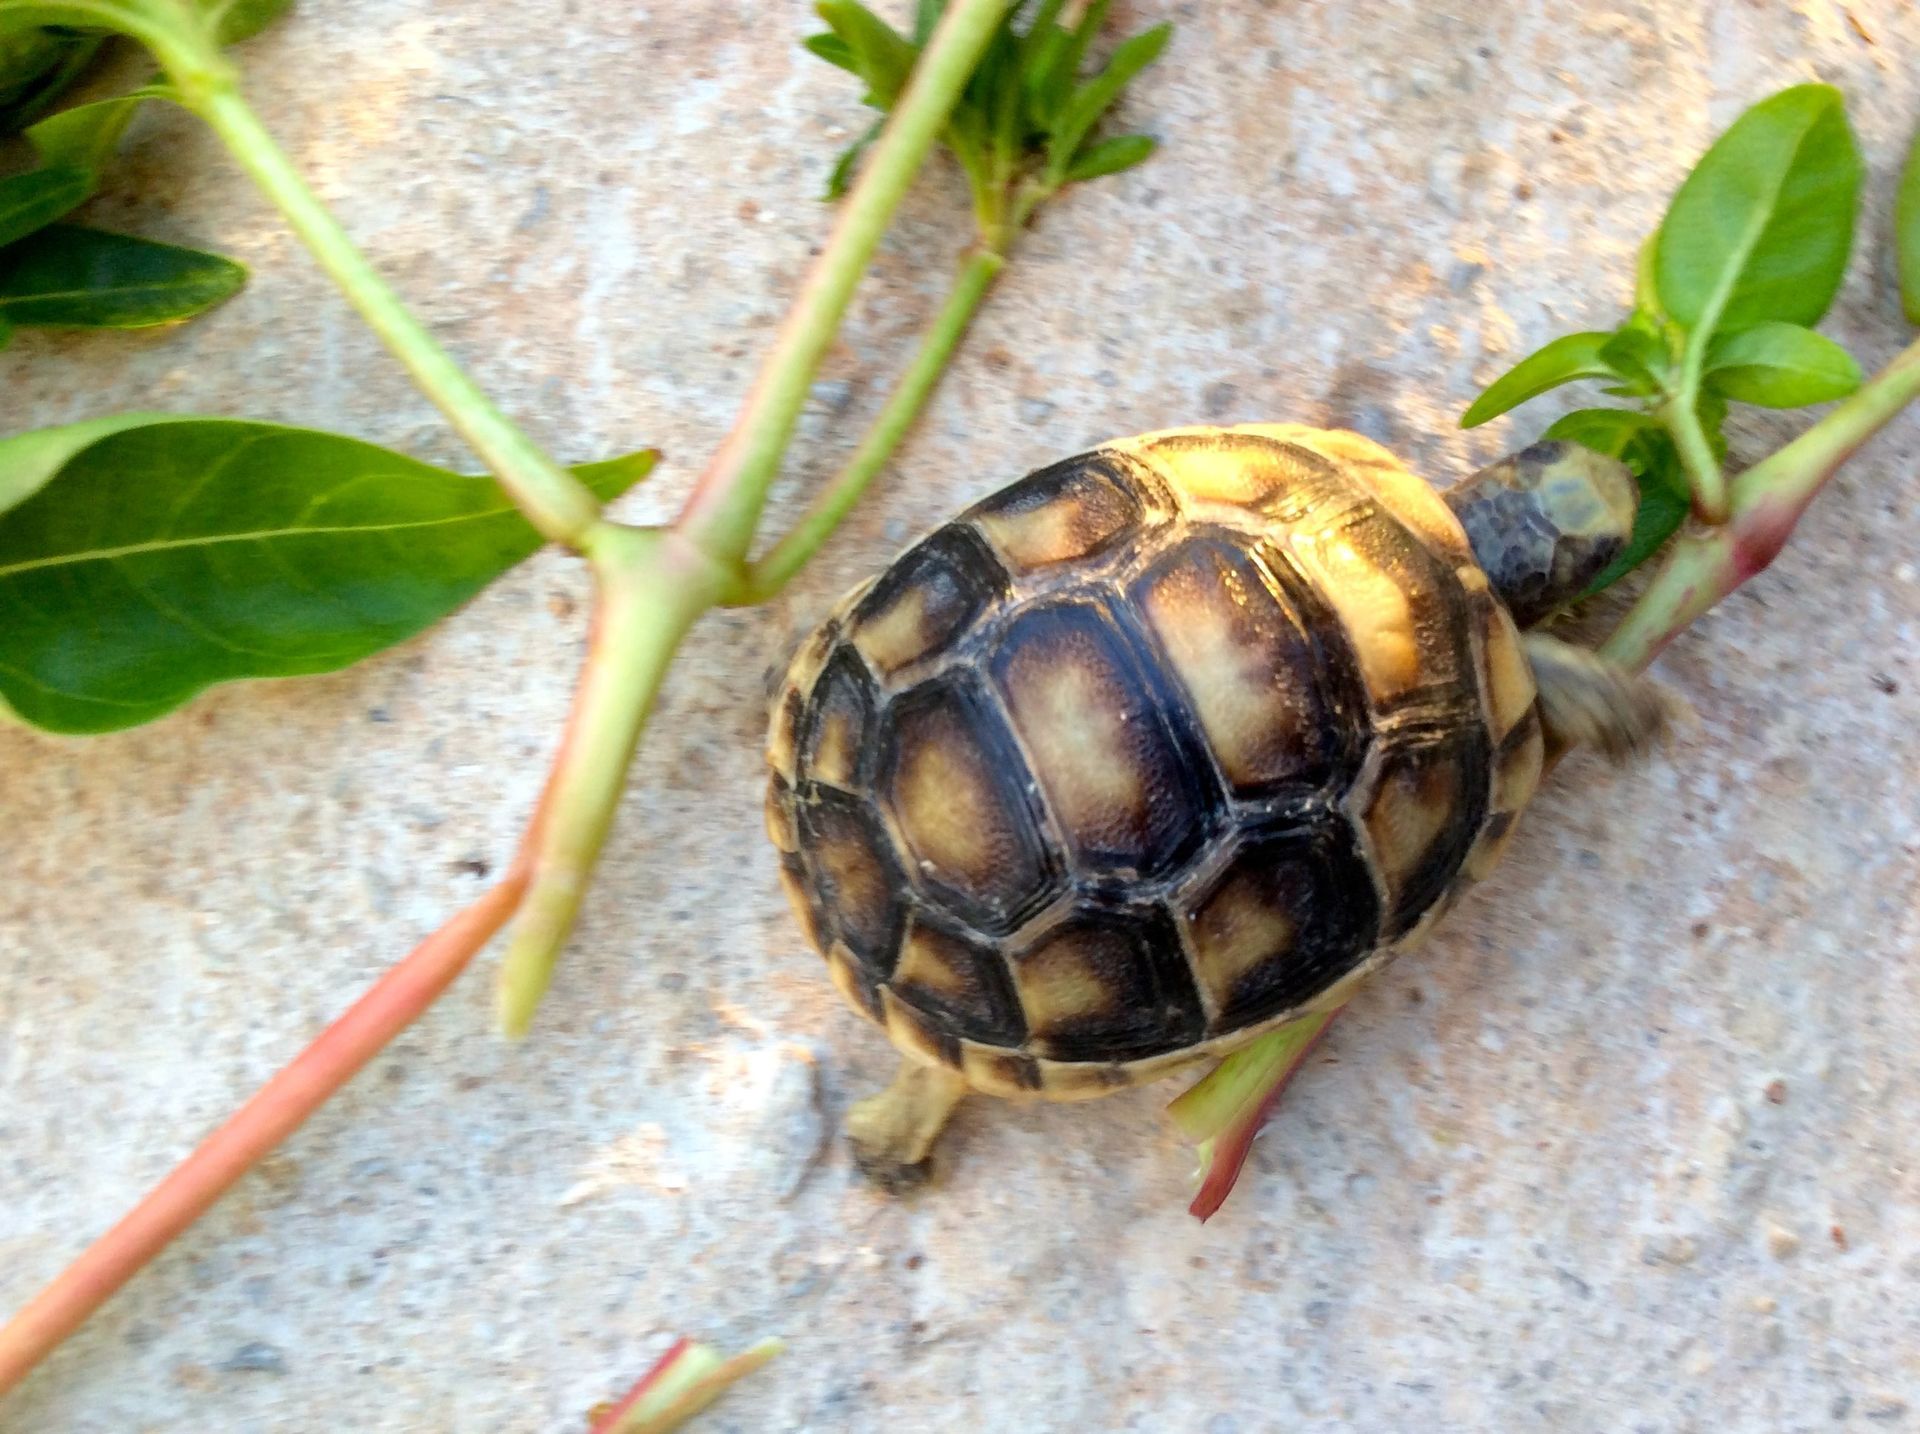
(1588,701)
(892,1133)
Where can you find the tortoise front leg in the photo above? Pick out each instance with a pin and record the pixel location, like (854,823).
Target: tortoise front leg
(892,1133)
(1588,701)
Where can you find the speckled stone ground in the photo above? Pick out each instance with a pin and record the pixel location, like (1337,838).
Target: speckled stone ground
(1631,1147)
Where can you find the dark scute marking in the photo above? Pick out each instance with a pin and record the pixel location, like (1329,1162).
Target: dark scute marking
(936,1034)
(854,876)
(1108,986)
(1457,763)
(1072,509)
(1254,678)
(1499,824)
(1128,788)
(956,785)
(950,575)
(792,710)
(1524,731)
(836,732)
(1292,913)
(960,983)
(866,995)
(1336,667)
(1019,1070)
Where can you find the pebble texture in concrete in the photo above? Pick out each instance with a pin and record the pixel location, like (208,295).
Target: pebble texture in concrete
(1630,1147)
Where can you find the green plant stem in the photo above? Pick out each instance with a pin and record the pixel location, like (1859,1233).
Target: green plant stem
(724,508)
(653,585)
(1682,419)
(1765,504)
(554,501)
(771,573)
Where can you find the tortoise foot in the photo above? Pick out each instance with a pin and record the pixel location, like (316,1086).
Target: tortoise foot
(892,1133)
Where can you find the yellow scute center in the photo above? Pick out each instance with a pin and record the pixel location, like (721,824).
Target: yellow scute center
(1080,743)
(1372,604)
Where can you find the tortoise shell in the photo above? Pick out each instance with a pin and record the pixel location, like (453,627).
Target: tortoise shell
(1148,753)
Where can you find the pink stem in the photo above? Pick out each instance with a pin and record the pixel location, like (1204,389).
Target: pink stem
(1232,1145)
(276,1110)
(616,1415)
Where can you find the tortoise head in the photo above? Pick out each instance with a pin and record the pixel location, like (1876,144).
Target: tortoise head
(1545,522)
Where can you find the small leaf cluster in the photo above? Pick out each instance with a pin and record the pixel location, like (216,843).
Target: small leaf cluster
(1749,257)
(1025,126)
(59,275)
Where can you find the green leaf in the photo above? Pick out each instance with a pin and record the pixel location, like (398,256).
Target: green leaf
(1780,366)
(145,558)
(31,201)
(69,277)
(883,56)
(1566,359)
(1906,220)
(841,180)
(1096,96)
(85,136)
(834,50)
(36,67)
(243,19)
(1638,357)
(1110,156)
(1761,229)
(1047,74)
(1605,430)
(1054,88)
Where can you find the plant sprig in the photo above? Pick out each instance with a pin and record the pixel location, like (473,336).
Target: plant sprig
(1748,258)
(1024,127)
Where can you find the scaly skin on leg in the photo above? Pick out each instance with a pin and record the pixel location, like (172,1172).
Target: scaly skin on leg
(1587,700)
(892,1133)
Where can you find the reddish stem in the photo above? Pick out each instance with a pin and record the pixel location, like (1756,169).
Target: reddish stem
(1232,1145)
(276,1110)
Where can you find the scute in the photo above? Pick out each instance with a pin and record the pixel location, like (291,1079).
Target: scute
(953,783)
(1106,985)
(854,874)
(1216,471)
(1249,671)
(1421,816)
(1098,736)
(1291,913)
(837,731)
(1072,510)
(1400,609)
(961,979)
(925,600)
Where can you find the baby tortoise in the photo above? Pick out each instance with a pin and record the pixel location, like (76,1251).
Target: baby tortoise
(1171,742)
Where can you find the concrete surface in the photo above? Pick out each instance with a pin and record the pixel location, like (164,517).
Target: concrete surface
(1630,1148)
